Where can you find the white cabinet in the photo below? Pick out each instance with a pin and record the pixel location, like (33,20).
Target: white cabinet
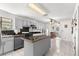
(1,50)
(41,47)
(6,23)
(21,22)
(18,23)
(24,23)
(38,48)
(7,44)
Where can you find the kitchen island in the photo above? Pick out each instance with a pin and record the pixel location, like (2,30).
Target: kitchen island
(38,46)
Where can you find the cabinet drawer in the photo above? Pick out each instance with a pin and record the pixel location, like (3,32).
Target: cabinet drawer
(7,44)
(1,50)
(6,39)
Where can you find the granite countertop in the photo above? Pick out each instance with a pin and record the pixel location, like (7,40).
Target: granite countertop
(30,39)
(35,38)
(5,36)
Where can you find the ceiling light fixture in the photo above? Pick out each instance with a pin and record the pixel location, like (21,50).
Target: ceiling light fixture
(36,8)
(41,11)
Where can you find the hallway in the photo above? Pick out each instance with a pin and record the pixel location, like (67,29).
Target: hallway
(66,48)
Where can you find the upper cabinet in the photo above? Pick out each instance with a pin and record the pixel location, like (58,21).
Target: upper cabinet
(6,23)
(21,22)
(18,23)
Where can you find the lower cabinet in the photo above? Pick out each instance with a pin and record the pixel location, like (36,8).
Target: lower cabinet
(1,50)
(7,45)
(39,48)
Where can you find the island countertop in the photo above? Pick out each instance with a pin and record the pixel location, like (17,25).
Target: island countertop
(34,39)
(30,39)
(36,47)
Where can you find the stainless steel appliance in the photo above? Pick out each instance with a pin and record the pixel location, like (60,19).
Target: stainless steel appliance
(18,42)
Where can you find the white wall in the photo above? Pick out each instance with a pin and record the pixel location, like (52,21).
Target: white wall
(76,30)
(65,33)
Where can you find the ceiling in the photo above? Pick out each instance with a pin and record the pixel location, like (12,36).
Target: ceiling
(59,10)
(54,10)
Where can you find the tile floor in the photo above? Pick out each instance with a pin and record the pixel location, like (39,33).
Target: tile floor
(19,52)
(66,49)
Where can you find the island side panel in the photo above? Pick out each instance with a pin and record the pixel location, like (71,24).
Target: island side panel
(28,48)
(41,47)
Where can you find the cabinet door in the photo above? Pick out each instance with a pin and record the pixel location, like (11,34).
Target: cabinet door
(9,45)
(1,50)
(18,23)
